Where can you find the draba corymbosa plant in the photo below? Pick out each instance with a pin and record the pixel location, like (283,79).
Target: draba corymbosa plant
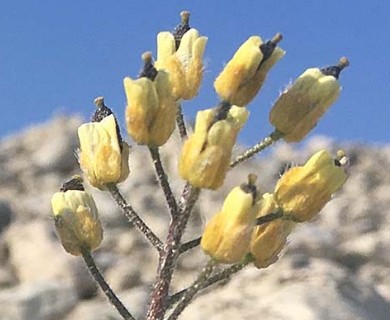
(250,228)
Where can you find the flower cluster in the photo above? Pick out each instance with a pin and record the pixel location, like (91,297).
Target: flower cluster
(251,226)
(299,195)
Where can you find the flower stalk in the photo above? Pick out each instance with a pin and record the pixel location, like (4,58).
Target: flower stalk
(163,179)
(262,145)
(111,296)
(180,122)
(133,217)
(222,275)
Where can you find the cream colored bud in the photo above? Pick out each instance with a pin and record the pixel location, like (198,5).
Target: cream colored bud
(226,237)
(151,109)
(303,191)
(184,65)
(205,157)
(103,156)
(245,73)
(269,239)
(76,220)
(300,106)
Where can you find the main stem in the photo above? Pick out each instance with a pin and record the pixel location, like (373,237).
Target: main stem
(93,269)
(170,253)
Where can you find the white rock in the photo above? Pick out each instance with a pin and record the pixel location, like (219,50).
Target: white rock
(35,252)
(37,301)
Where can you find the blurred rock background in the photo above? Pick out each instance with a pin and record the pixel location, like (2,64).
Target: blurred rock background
(336,267)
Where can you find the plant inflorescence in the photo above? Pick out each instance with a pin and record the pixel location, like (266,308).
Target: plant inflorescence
(250,228)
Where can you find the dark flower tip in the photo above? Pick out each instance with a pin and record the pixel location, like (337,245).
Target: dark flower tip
(74,183)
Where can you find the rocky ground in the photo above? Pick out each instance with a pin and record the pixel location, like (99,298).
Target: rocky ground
(337,267)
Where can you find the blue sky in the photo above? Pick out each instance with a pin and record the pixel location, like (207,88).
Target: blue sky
(57,56)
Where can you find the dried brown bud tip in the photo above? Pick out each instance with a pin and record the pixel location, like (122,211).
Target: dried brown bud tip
(185,17)
(268,47)
(221,111)
(277,38)
(341,159)
(343,62)
(102,111)
(99,102)
(335,70)
(250,186)
(74,183)
(182,28)
(148,71)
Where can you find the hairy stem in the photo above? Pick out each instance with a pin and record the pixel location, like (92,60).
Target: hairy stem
(193,290)
(93,269)
(181,125)
(170,253)
(220,276)
(263,144)
(163,179)
(134,218)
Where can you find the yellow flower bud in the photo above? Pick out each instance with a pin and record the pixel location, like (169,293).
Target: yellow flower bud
(205,157)
(303,191)
(226,237)
(269,239)
(245,73)
(151,108)
(103,156)
(183,62)
(299,107)
(76,218)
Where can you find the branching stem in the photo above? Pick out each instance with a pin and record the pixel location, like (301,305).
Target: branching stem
(191,291)
(163,179)
(190,245)
(220,276)
(134,218)
(263,144)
